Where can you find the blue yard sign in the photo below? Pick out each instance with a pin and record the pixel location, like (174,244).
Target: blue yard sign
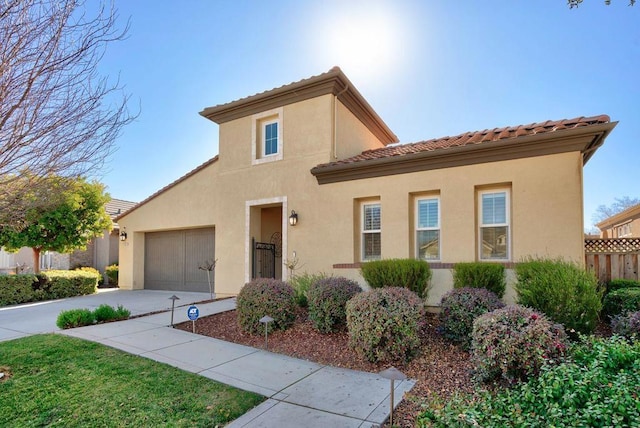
(193,312)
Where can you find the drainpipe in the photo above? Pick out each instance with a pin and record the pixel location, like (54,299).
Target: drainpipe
(335,122)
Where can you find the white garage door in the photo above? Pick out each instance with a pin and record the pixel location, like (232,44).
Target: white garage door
(172,259)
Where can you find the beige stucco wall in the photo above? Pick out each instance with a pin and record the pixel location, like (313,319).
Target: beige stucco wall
(546,203)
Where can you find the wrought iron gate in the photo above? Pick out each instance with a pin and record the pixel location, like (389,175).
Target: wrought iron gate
(264,260)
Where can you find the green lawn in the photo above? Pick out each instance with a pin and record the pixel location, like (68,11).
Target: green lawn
(55,380)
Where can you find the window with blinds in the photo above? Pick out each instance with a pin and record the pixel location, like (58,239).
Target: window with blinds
(428,228)
(371,232)
(494,225)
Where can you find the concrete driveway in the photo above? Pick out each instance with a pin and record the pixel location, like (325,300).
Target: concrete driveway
(40,317)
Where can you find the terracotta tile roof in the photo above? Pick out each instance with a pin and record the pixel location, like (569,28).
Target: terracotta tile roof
(116,207)
(470,138)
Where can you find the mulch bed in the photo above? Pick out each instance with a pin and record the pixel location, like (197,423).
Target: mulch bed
(440,368)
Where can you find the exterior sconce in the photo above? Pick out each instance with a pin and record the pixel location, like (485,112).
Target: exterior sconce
(293,218)
(123,234)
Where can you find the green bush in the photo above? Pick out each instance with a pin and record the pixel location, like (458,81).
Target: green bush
(301,284)
(385,324)
(328,298)
(512,344)
(460,307)
(563,291)
(106,313)
(627,325)
(480,275)
(58,284)
(112,274)
(621,301)
(266,296)
(597,387)
(406,273)
(617,284)
(15,289)
(75,318)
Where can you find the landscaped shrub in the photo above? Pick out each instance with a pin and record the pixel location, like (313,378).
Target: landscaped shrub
(597,387)
(460,307)
(328,298)
(480,275)
(617,284)
(16,289)
(112,273)
(563,291)
(266,296)
(68,283)
(627,325)
(75,318)
(621,301)
(512,343)
(105,313)
(301,284)
(406,273)
(385,324)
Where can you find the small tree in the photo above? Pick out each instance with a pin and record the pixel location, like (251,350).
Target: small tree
(74,215)
(210,266)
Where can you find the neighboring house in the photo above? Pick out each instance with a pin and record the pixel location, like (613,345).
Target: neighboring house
(625,224)
(309,172)
(101,251)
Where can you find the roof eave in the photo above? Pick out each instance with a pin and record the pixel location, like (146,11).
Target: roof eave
(585,139)
(619,218)
(333,82)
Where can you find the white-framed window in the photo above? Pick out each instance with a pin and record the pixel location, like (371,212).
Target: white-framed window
(494,234)
(266,136)
(428,228)
(371,232)
(624,230)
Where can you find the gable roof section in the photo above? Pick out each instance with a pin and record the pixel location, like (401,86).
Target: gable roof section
(621,217)
(116,207)
(332,82)
(584,134)
(169,186)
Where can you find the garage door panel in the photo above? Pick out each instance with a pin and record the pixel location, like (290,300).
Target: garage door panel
(172,259)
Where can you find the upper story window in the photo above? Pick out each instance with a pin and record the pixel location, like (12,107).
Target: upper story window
(371,232)
(494,234)
(428,228)
(266,136)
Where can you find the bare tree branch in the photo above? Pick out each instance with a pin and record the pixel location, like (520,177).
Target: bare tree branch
(58,115)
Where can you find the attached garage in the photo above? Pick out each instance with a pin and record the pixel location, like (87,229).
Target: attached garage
(172,259)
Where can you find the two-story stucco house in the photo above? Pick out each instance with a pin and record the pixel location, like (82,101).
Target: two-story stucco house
(309,172)
(625,224)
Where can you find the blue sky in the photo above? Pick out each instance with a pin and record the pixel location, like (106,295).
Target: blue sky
(429,68)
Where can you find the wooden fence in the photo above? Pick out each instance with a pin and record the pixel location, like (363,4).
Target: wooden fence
(613,258)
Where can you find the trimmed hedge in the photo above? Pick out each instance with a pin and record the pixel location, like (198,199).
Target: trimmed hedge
(562,290)
(617,284)
(328,298)
(411,274)
(49,285)
(266,296)
(480,275)
(112,274)
(15,289)
(385,324)
(621,301)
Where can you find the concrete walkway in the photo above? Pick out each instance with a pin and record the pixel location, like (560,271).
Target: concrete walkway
(300,393)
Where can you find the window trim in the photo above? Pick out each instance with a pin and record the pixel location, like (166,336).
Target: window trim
(259,123)
(417,227)
(364,231)
(507,224)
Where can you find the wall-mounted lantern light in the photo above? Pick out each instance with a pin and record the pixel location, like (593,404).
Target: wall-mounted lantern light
(293,218)
(123,234)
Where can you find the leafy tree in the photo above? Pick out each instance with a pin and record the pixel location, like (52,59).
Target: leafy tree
(604,212)
(58,114)
(72,216)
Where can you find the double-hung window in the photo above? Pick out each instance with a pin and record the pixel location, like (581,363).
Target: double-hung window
(371,232)
(494,225)
(267,136)
(428,228)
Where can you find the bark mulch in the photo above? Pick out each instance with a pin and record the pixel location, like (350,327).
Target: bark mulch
(440,368)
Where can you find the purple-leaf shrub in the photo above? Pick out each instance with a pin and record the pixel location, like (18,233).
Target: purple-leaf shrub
(327,300)
(266,296)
